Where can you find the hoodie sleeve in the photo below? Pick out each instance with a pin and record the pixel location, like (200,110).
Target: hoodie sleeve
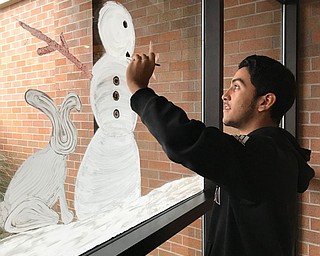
(205,150)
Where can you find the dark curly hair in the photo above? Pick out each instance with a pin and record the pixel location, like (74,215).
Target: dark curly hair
(270,76)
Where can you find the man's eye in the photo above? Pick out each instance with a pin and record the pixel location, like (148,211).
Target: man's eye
(236,86)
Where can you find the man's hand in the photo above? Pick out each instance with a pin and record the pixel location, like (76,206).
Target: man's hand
(139,71)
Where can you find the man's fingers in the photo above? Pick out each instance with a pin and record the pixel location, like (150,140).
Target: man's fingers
(152,57)
(136,57)
(144,59)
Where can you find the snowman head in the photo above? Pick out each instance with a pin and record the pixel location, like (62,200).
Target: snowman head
(116,30)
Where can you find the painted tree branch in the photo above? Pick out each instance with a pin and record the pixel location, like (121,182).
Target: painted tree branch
(54,46)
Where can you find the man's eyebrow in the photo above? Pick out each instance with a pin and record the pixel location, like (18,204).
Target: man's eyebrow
(239,80)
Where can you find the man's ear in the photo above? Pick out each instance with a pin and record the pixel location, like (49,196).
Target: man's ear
(266,102)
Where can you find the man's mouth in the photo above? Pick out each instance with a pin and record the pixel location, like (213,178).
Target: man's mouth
(226,107)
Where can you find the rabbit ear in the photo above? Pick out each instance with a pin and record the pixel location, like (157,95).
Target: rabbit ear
(44,103)
(64,134)
(64,139)
(41,101)
(71,101)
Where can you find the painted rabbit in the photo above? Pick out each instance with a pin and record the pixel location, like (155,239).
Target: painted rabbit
(39,182)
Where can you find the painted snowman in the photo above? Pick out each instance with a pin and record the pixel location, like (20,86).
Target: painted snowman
(110,171)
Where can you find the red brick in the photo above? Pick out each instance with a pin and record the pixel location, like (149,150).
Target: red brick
(239,35)
(310,236)
(256,20)
(231,24)
(170,36)
(230,3)
(192,242)
(303,248)
(265,6)
(239,11)
(315,144)
(180,3)
(169,176)
(314,250)
(315,224)
(254,45)
(311,210)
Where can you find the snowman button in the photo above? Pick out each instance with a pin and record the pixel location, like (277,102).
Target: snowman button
(116,80)
(116,95)
(116,113)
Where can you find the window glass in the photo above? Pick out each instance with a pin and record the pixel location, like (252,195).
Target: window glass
(65,182)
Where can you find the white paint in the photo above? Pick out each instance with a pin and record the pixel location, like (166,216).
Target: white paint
(39,182)
(109,173)
(80,236)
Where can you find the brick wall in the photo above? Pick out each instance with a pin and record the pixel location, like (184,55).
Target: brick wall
(308,122)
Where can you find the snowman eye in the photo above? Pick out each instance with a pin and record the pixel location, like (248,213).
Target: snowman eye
(125,24)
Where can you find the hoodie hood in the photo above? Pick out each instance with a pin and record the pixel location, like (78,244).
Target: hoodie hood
(306,173)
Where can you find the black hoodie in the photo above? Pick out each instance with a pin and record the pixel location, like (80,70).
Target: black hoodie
(258,177)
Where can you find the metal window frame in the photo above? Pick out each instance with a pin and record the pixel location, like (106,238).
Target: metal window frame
(290,54)
(148,235)
(212,79)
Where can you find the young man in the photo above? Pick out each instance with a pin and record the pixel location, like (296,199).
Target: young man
(259,172)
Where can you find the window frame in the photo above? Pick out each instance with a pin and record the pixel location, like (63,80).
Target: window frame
(289,47)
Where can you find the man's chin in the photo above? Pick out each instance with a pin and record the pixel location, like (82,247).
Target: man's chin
(226,122)
(229,123)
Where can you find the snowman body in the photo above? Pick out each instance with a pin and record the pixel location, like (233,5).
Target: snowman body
(109,173)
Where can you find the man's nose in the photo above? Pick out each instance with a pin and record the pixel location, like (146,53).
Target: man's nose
(226,95)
